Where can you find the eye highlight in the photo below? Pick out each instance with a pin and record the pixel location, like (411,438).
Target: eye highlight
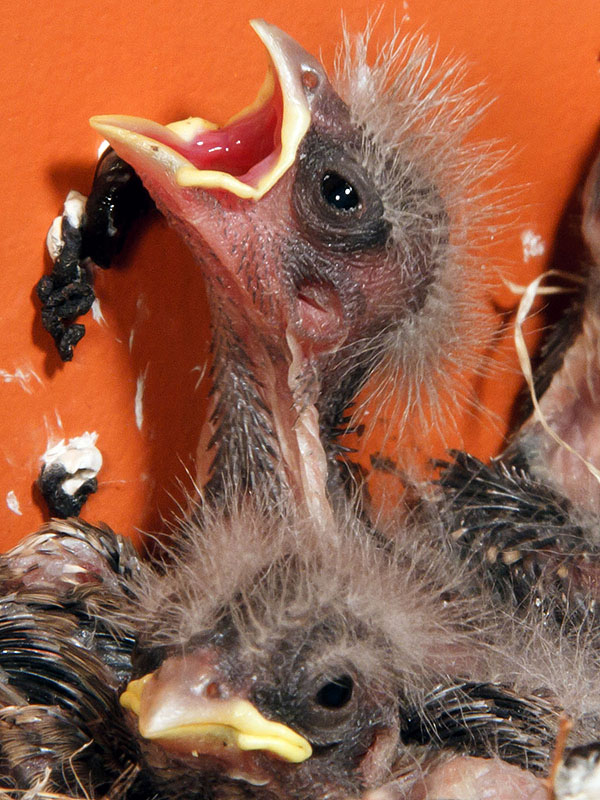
(335,694)
(339,193)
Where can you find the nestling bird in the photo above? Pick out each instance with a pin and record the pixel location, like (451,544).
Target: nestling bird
(536,507)
(268,672)
(330,225)
(304,311)
(530,518)
(63,656)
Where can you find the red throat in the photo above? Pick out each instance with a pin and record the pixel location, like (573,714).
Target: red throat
(244,148)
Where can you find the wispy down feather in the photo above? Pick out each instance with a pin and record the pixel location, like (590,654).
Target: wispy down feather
(417,112)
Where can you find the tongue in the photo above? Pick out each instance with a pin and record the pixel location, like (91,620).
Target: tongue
(238,147)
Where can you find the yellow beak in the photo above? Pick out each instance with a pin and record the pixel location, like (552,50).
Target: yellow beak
(169,148)
(198,720)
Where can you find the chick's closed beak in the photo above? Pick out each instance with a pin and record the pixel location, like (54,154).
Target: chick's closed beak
(183,715)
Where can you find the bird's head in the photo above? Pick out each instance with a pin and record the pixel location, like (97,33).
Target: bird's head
(324,218)
(279,675)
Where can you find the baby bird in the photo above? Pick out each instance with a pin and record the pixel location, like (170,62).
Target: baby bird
(532,514)
(269,672)
(333,250)
(65,650)
(330,221)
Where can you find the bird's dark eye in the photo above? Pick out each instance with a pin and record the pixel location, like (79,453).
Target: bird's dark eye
(335,694)
(339,193)
(335,201)
(331,707)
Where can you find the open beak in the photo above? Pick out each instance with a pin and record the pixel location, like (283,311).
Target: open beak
(183,718)
(229,191)
(249,154)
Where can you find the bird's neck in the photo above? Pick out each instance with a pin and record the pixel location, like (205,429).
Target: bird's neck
(262,436)
(343,379)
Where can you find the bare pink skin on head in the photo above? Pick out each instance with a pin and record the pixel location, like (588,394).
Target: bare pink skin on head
(311,281)
(268,323)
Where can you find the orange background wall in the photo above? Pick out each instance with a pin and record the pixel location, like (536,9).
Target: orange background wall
(167,60)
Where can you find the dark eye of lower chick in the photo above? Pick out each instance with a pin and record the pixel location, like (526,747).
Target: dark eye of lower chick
(338,193)
(336,693)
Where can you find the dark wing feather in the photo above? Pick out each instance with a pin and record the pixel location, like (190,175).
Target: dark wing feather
(527,538)
(486,719)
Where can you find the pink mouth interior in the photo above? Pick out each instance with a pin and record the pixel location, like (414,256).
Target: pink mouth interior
(245,149)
